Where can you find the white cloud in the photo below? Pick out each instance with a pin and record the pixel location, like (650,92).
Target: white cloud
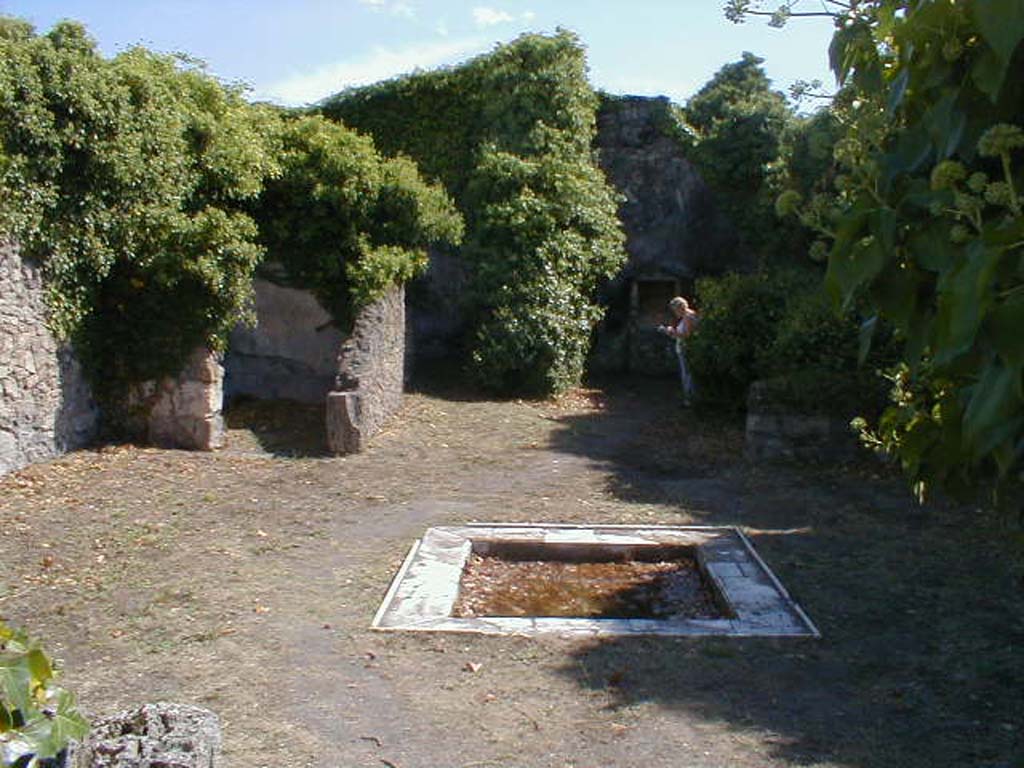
(488,17)
(404,10)
(379,64)
(528,16)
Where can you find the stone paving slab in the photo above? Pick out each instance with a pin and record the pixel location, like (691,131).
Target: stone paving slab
(422,594)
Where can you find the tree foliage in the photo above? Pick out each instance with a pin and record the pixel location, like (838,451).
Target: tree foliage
(926,223)
(345,222)
(739,126)
(37,717)
(134,181)
(779,325)
(509,134)
(126,179)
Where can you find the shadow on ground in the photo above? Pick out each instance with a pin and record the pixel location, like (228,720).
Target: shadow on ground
(921,609)
(283,428)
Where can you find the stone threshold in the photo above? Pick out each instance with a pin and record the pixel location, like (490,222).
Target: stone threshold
(752,599)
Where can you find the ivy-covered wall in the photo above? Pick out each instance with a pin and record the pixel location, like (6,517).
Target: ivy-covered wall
(509,134)
(125,179)
(148,192)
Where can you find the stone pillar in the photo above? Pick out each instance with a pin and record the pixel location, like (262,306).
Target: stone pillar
(344,430)
(183,411)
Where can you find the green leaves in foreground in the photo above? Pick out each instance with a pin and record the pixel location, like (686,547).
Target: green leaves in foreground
(927,227)
(37,717)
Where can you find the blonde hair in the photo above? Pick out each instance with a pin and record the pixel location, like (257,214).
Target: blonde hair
(679,301)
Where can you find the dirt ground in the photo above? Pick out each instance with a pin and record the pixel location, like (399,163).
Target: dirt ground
(244,581)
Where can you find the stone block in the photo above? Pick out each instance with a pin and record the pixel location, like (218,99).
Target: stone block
(152,736)
(344,433)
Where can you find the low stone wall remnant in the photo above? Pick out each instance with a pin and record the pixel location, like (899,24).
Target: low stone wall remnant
(371,366)
(777,432)
(182,411)
(46,405)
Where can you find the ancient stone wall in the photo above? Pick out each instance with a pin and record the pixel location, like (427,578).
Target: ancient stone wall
(182,411)
(370,375)
(778,432)
(672,225)
(674,232)
(291,353)
(46,406)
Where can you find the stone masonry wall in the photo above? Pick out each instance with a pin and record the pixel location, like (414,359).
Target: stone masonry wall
(671,222)
(183,411)
(370,375)
(291,353)
(777,432)
(46,406)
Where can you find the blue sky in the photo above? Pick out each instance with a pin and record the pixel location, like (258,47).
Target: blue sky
(298,52)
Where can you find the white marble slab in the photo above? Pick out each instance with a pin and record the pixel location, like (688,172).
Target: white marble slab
(754,602)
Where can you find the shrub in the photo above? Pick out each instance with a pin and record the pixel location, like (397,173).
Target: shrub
(740,315)
(37,717)
(345,222)
(126,179)
(782,326)
(509,134)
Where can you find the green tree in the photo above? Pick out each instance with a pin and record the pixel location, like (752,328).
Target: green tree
(926,223)
(127,179)
(739,124)
(345,222)
(509,134)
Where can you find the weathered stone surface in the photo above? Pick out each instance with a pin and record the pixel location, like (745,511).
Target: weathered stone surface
(370,378)
(183,411)
(291,353)
(152,736)
(344,434)
(674,232)
(774,431)
(668,214)
(46,406)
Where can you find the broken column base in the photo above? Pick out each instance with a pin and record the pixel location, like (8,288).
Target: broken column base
(344,431)
(152,736)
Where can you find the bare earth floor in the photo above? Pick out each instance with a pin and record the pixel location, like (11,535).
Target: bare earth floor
(244,581)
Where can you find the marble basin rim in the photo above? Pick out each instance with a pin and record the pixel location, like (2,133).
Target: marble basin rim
(754,602)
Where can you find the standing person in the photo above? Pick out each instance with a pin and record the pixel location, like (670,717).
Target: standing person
(686,321)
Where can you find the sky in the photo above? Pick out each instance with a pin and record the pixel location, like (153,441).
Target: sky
(298,52)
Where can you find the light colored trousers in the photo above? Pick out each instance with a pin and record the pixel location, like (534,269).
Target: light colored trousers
(684,373)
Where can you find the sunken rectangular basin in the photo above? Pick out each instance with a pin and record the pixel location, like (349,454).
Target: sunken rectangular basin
(589,580)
